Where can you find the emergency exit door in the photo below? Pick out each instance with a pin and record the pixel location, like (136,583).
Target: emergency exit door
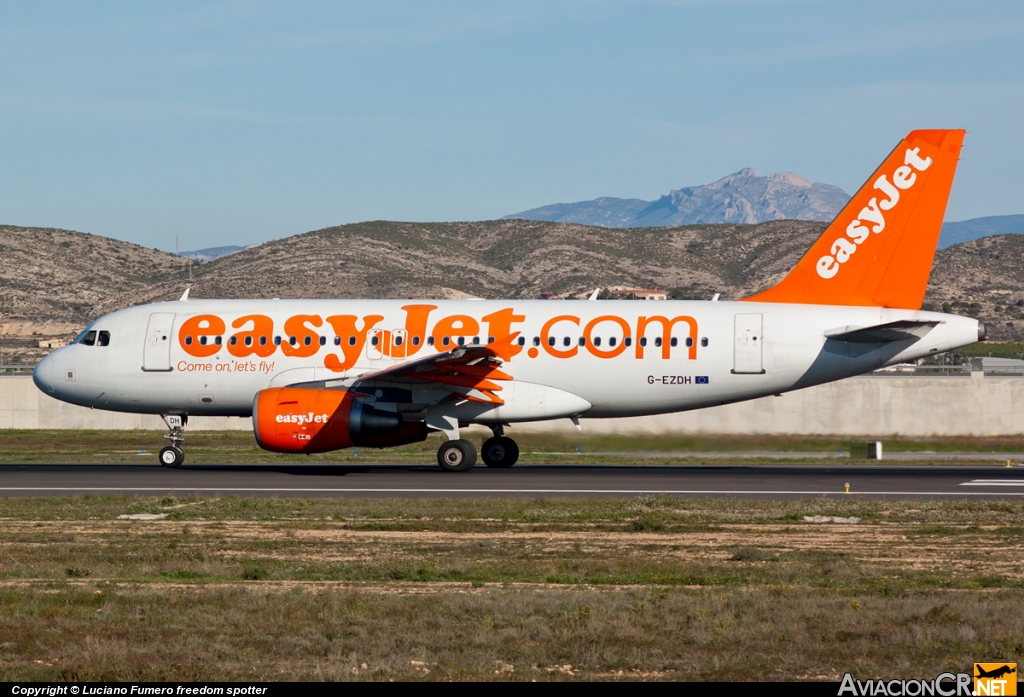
(747,347)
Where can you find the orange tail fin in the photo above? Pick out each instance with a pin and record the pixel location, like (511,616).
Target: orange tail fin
(879,249)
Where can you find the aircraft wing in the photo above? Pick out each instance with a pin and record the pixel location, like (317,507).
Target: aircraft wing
(471,371)
(901,330)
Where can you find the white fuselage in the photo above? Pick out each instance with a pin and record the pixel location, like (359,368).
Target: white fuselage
(740,350)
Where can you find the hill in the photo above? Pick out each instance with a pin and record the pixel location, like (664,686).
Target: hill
(54,281)
(742,197)
(507,258)
(967,230)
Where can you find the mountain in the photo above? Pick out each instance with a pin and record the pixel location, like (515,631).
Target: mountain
(601,212)
(964,231)
(742,197)
(211,253)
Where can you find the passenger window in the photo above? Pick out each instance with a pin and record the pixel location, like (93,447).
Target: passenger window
(628,341)
(611,341)
(398,340)
(643,341)
(522,341)
(462,341)
(202,340)
(583,341)
(597,341)
(351,341)
(551,341)
(337,341)
(415,341)
(292,340)
(536,341)
(218,340)
(704,341)
(323,341)
(490,340)
(445,341)
(375,340)
(674,342)
(263,341)
(188,340)
(248,340)
(430,341)
(277,341)
(103,339)
(657,341)
(307,340)
(476,341)
(689,341)
(234,340)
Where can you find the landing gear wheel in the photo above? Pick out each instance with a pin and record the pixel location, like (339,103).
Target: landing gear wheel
(171,457)
(456,456)
(501,451)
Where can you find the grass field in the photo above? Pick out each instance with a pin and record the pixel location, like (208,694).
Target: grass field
(240,446)
(650,588)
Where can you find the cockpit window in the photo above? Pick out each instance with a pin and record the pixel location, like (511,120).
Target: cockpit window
(81,335)
(89,339)
(103,339)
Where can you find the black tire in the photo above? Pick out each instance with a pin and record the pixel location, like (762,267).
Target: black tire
(501,451)
(456,456)
(171,457)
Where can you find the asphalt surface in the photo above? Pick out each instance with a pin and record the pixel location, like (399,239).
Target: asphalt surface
(596,481)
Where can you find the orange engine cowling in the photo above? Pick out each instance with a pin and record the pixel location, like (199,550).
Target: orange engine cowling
(297,420)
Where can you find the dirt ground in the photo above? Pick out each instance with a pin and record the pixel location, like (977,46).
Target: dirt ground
(644,589)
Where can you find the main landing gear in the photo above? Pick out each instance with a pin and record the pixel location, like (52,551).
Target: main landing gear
(172,456)
(459,455)
(456,456)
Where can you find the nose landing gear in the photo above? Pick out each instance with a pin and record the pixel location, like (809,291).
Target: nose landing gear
(172,456)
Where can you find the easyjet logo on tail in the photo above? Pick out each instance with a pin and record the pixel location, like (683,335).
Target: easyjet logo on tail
(871,219)
(878,251)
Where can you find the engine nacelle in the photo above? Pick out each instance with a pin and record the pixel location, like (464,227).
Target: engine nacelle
(297,420)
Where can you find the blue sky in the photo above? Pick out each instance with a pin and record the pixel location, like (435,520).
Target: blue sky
(238,122)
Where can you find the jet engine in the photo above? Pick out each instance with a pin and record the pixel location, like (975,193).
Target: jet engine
(298,420)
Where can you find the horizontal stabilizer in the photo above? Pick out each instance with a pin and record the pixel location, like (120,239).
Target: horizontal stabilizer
(902,330)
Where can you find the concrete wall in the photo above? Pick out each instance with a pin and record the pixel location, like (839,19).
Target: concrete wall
(878,406)
(22,405)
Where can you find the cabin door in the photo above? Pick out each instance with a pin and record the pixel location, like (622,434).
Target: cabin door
(156,352)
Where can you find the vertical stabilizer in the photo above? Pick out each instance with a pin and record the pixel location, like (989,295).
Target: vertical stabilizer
(879,249)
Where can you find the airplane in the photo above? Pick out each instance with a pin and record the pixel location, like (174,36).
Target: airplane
(995,672)
(324,375)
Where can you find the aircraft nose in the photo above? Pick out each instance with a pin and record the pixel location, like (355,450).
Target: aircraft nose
(42,376)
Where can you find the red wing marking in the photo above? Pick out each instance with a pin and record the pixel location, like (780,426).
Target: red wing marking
(468,371)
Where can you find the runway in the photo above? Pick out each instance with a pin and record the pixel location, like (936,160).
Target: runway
(532,481)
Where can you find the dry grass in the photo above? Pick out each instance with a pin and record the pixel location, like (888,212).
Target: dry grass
(505,589)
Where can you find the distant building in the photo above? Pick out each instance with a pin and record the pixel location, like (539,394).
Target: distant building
(638,293)
(52,343)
